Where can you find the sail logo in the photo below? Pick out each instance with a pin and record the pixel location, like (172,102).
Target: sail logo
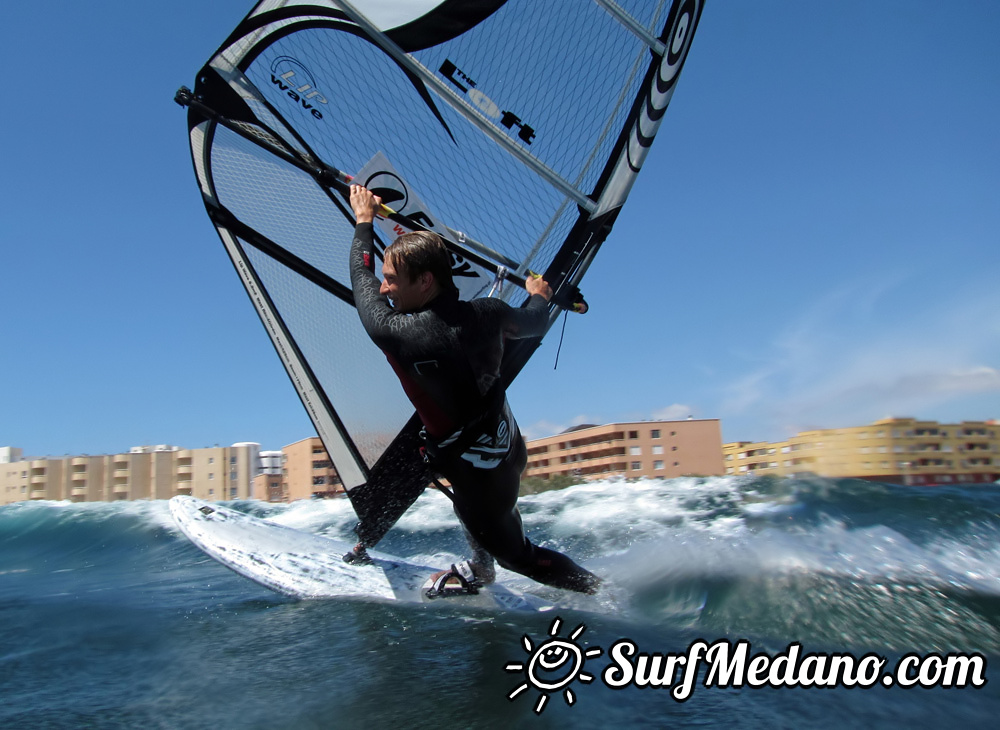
(663,83)
(483,103)
(292,77)
(394,193)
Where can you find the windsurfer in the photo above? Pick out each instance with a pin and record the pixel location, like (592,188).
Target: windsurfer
(447,354)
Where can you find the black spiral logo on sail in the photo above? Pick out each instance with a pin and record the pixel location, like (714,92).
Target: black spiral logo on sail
(677,40)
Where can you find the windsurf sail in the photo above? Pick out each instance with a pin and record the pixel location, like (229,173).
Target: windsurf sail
(513,128)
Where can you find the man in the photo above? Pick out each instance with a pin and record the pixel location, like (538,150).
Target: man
(447,355)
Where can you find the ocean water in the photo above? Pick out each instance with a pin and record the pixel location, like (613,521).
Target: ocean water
(110,618)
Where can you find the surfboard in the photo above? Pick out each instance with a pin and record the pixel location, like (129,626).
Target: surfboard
(308,566)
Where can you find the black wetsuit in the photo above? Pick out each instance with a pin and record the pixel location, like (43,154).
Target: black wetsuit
(447,357)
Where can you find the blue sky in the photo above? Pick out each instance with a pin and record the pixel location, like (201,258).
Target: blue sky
(814,241)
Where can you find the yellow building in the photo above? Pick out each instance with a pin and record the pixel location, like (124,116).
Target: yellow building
(633,449)
(145,472)
(893,450)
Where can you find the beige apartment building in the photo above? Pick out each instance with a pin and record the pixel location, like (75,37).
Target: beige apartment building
(632,449)
(892,450)
(308,472)
(145,472)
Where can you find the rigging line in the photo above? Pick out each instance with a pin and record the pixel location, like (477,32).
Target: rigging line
(618,13)
(561,336)
(465,109)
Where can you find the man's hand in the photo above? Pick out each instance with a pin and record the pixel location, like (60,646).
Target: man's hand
(535,284)
(365,204)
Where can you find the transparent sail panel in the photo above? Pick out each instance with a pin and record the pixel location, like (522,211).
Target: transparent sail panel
(282,203)
(353,372)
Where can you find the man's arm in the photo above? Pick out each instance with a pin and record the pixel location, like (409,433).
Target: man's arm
(373,308)
(531,320)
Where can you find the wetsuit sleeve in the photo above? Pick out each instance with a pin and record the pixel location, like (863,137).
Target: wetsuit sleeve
(515,322)
(529,321)
(373,308)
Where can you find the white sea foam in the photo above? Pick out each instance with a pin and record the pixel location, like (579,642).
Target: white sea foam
(644,531)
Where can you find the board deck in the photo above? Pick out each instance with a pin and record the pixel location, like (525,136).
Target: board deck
(304,565)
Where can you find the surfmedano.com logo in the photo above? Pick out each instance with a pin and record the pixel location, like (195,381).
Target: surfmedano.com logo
(555,664)
(552,666)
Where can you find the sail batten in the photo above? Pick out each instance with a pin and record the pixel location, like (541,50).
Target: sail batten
(616,11)
(513,128)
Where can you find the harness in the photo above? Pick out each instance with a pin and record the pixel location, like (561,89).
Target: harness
(451,449)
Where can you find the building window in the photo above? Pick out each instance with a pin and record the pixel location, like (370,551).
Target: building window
(636,465)
(635,450)
(659,450)
(633,434)
(655,433)
(658,465)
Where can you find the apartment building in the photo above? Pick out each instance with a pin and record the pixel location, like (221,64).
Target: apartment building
(145,472)
(633,449)
(308,472)
(892,450)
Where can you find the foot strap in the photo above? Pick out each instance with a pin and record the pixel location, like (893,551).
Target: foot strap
(358,556)
(468,583)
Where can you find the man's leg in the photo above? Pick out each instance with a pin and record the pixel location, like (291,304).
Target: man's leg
(486,503)
(482,561)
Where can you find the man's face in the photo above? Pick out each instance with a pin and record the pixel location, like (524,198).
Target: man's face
(405,295)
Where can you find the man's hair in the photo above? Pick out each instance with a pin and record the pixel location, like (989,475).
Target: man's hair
(414,253)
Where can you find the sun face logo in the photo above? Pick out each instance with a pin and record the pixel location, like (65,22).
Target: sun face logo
(553,665)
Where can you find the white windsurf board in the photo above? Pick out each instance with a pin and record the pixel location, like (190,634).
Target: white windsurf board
(305,565)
